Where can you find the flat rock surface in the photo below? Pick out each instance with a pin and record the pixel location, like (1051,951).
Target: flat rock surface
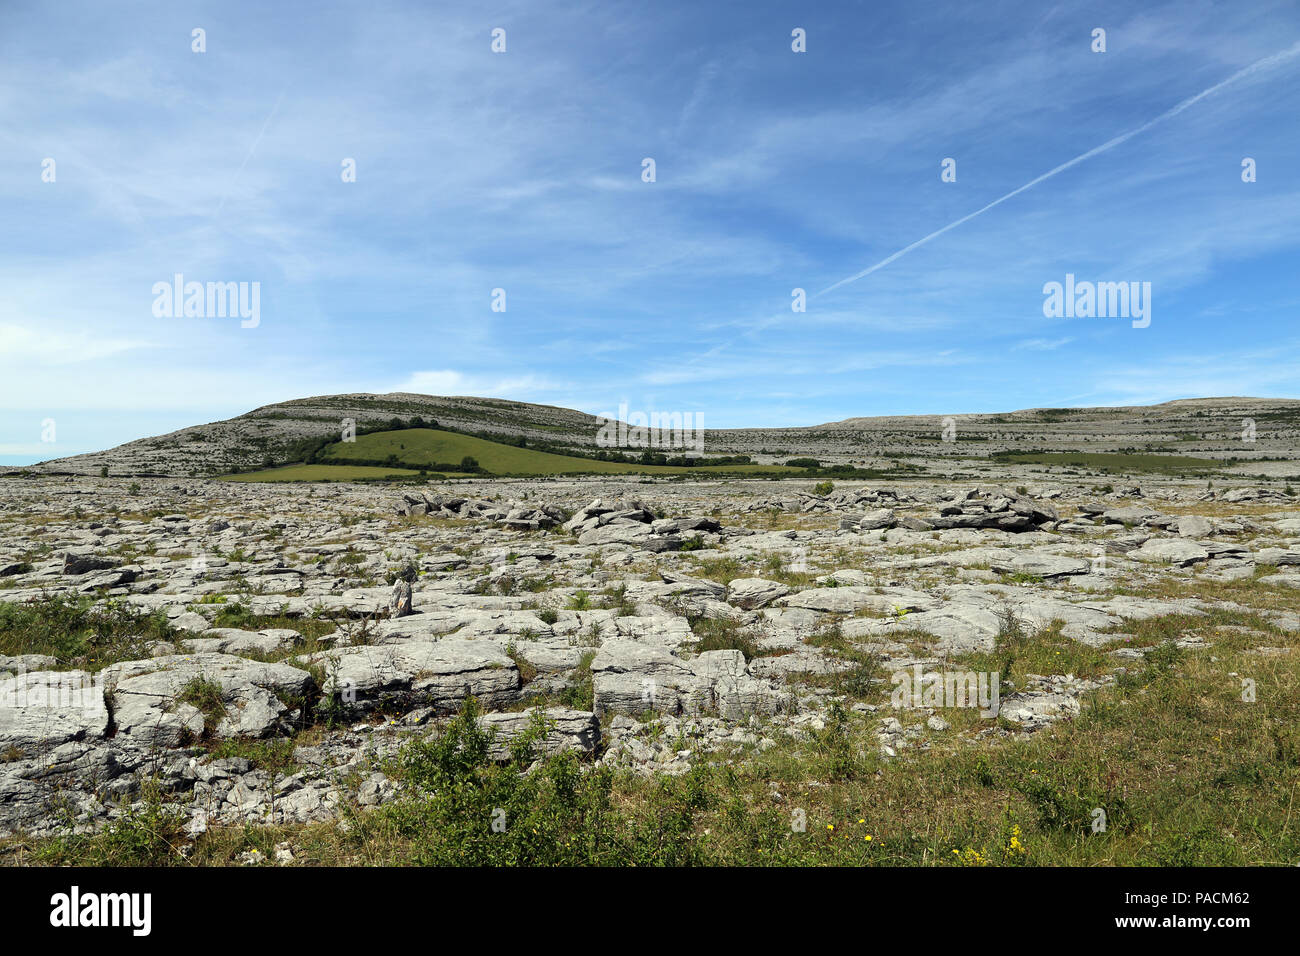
(626,615)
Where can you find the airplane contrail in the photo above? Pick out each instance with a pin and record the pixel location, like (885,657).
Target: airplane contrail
(252,149)
(1267,63)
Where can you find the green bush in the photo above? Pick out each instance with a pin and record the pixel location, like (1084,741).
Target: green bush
(148,835)
(79,632)
(205,695)
(462,808)
(723,634)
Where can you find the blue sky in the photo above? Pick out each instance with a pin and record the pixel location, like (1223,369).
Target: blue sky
(522,170)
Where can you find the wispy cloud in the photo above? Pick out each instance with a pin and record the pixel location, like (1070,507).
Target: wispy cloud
(1041,345)
(20,345)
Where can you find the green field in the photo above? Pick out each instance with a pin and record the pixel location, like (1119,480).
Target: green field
(323,473)
(416,447)
(1116,462)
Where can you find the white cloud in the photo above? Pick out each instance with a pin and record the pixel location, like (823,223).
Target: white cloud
(24,346)
(452,382)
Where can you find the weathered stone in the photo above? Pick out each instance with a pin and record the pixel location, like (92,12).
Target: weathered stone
(43,709)
(848,600)
(229,640)
(752,593)
(565,729)
(632,678)
(400,603)
(1040,565)
(80,562)
(150,698)
(440,674)
(1130,515)
(880,518)
(1172,551)
(1194,526)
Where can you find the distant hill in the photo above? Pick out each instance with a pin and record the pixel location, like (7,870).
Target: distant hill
(1212,428)
(249,440)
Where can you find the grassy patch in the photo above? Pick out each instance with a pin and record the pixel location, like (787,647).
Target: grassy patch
(1020,651)
(723,634)
(205,696)
(1249,591)
(432,446)
(79,632)
(275,756)
(312,629)
(616,600)
(722,570)
(461,808)
(861,678)
(149,835)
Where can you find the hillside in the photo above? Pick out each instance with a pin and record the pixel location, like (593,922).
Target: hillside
(1210,428)
(249,440)
(434,448)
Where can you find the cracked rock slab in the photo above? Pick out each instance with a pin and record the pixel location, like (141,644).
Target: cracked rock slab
(441,674)
(1177,551)
(147,705)
(566,730)
(753,593)
(848,600)
(632,678)
(44,709)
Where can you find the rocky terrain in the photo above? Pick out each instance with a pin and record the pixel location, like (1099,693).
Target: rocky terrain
(948,446)
(655,624)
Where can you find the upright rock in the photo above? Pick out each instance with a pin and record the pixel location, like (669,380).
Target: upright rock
(400,604)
